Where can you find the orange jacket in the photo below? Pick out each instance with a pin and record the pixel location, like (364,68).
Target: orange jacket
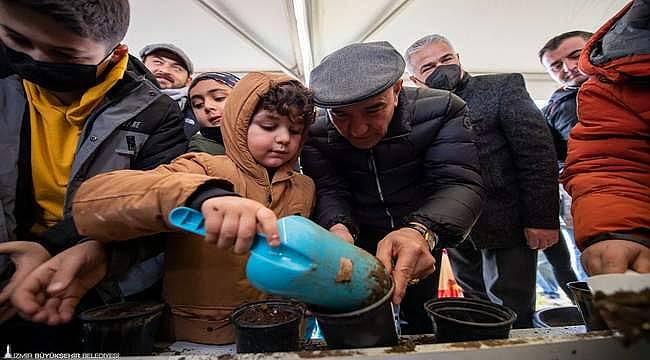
(608,164)
(202,284)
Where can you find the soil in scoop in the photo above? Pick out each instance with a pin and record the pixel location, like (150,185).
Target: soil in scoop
(266,315)
(627,312)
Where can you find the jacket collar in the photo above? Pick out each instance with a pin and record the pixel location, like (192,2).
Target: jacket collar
(463,82)
(128,97)
(212,133)
(564,92)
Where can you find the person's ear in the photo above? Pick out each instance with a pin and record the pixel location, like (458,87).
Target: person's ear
(189,80)
(119,52)
(397,88)
(116,55)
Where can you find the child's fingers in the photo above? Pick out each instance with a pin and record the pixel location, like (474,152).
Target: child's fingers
(229,230)
(212,223)
(246,233)
(269,226)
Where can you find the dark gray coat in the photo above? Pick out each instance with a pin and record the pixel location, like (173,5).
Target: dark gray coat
(517,159)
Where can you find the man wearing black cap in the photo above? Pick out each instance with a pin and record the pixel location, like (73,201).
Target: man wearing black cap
(519,170)
(173,70)
(396,169)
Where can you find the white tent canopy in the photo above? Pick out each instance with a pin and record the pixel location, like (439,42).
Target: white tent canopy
(238,36)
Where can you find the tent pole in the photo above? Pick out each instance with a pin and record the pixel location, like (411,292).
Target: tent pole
(379,24)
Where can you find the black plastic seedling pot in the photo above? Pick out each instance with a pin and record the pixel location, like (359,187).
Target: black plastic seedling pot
(268,326)
(463,319)
(583,297)
(371,326)
(126,328)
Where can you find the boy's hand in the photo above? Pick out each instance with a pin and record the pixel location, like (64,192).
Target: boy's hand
(51,293)
(233,221)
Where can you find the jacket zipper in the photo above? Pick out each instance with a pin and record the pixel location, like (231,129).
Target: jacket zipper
(373,166)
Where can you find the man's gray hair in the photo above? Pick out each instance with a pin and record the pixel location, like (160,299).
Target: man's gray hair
(421,43)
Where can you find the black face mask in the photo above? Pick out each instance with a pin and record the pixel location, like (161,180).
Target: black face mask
(52,76)
(444,77)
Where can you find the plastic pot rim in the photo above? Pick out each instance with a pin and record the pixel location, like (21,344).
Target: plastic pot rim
(450,306)
(298,307)
(318,312)
(156,307)
(580,286)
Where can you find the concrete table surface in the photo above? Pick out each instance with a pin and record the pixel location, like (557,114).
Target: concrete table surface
(544,343)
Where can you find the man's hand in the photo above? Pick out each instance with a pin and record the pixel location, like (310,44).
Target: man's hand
(51,292)
(342,231)
(616,256)
(26,256)
(233,221)
(540,239)
(413,259)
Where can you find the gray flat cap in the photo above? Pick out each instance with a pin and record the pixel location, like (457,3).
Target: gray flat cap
(355,73)
(172,49)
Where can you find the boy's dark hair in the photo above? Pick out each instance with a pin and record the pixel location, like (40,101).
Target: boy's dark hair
(105,21)
(555,42)
(289,98)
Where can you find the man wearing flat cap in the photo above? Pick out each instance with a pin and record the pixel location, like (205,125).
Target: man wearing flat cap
(173,71)
(396,168)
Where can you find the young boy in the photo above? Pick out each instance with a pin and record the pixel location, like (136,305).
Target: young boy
(208,93)
(264,127)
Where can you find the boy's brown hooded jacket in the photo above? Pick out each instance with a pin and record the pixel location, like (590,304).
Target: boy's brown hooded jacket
(202,284)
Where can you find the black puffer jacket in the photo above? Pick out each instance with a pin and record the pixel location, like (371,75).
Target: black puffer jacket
(425,169)
(561,117)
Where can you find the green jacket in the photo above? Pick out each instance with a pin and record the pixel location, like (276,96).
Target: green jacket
(208,140)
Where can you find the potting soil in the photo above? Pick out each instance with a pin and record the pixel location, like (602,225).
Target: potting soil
(266,315)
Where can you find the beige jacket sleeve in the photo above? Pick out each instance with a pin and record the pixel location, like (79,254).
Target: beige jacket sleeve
(126,204)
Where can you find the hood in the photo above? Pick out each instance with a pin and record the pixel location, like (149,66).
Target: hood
(237,116)
(600,61)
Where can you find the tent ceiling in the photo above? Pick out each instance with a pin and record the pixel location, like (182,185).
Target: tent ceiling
(245,35)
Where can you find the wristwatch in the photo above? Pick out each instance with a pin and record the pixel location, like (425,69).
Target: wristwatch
(426,233)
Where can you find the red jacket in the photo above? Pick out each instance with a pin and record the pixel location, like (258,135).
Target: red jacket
(608,165)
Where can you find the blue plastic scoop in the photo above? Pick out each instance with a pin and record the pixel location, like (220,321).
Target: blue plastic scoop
(311,264)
